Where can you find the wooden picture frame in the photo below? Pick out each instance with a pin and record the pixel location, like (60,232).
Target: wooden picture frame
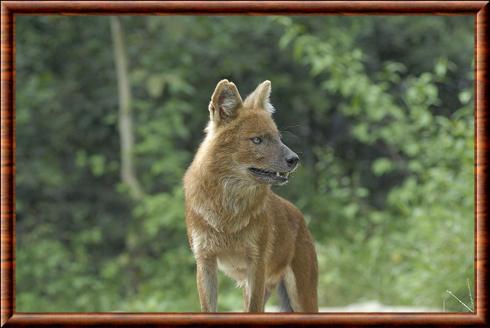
(10,9)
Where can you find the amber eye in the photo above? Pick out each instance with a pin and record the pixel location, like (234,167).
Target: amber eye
(257,140)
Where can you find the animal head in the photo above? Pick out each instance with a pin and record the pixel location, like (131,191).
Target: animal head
(246,142)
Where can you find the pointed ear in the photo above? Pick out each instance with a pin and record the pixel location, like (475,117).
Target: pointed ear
(261,97)
(225,102)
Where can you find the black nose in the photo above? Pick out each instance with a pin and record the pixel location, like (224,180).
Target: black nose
(292,160)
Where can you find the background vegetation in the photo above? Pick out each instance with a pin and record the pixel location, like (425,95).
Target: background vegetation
(380,110)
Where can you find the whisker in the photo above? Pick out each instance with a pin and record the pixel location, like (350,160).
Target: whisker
(286,131)
(293,126)
(290,135)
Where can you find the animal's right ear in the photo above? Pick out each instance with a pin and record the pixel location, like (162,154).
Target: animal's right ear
(225,102)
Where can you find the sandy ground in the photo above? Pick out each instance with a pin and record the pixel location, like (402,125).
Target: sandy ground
(369,306)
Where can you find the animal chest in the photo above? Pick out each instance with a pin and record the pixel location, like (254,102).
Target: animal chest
(233,251)
(215,243)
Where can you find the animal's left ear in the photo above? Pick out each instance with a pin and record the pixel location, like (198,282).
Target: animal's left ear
(261,97)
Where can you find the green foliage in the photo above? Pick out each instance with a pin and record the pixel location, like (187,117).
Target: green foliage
(382,121)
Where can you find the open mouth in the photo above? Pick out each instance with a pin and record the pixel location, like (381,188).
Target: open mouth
(269,176)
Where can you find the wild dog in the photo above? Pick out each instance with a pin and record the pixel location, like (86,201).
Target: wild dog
(235,222)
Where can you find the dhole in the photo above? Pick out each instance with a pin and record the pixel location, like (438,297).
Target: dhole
(234,220)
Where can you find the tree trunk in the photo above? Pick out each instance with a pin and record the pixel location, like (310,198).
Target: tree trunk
(126,136)
(126,133)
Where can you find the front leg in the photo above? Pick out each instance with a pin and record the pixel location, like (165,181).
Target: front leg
(207,283)
(245,297)
(256,287)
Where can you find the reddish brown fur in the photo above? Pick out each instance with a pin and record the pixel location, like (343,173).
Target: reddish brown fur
(237,223)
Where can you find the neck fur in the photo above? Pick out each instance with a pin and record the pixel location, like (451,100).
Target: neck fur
(225,201)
